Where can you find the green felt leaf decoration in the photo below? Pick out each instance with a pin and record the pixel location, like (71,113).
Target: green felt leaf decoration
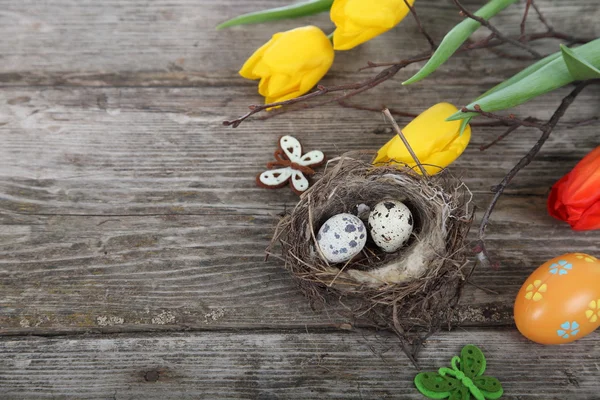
(464,381)
(472,361)
(579,68)
(273,14)
(544,76)
(456,37)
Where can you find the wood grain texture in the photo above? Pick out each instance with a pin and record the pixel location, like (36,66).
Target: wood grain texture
(128,211)
(290,365)
(122,205)
(163,42)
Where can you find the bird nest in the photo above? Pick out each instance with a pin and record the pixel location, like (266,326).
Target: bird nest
(412,291)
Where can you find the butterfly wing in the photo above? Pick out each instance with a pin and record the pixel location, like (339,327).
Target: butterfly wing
(274,178)
(462,393)
(435,386)
(472,361)
(299,181)
(314,157)
(489,386)
(291,147)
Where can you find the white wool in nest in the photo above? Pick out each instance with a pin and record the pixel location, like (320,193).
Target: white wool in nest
(429,245)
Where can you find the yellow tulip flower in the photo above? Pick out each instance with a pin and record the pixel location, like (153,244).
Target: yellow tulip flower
(357,21)
(290,64)
(435,141)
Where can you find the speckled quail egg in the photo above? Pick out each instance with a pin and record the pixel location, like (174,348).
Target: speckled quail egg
(341,237)
(390,225)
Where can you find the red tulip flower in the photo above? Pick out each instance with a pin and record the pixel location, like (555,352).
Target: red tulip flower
(575,198)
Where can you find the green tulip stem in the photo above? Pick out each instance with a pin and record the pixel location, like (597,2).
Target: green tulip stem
(273,14)
(457,36)
(548,74)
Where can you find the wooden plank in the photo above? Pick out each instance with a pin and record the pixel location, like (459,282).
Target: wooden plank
(174,43)
(107,137)
(127,273)
(133,209)
(302,364)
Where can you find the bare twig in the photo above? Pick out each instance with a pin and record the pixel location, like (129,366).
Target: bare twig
(496,32)
(524,20)
(495,39)
(398,131)
(420,26)
(510,119)
(542,18)
(377,109)
(481,251)
(585,122)
(510,130)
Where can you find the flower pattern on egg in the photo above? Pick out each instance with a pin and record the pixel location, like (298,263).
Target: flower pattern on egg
(593,311)
(534,290)
(586,257)
(562,267)
(568,329)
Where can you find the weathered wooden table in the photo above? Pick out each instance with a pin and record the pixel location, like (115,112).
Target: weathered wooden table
(132,234)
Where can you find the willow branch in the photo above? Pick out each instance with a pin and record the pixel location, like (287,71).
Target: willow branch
(496,32)
(547,128)
(495,39)
(420,26)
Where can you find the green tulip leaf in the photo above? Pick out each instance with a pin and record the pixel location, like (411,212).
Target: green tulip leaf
(545,76)
(456,37)
(463,125)
(523,74)
(579,68)
(273,14)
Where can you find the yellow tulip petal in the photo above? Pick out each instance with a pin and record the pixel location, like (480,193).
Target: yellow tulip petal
(436,142)
(430,132)
(537,297)
(337,11)
(589,313)
(247,70)
(263,86)
(594,318)
(285,97)
(528,295)
(592,304)
(310,79)
(280,85)
(358,21)
(382,153)
(290,64)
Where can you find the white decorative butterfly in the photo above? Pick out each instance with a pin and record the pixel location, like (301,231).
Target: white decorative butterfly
(294,166)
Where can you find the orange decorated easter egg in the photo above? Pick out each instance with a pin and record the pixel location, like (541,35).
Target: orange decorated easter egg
(560,301)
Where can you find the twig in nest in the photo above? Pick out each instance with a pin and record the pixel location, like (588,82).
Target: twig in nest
(480,249)
(386,112)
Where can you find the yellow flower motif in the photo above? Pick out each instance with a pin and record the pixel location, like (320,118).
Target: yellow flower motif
(290,64)
(534,291)
(593,312)
(435,141)
(586,257)
(357,21)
